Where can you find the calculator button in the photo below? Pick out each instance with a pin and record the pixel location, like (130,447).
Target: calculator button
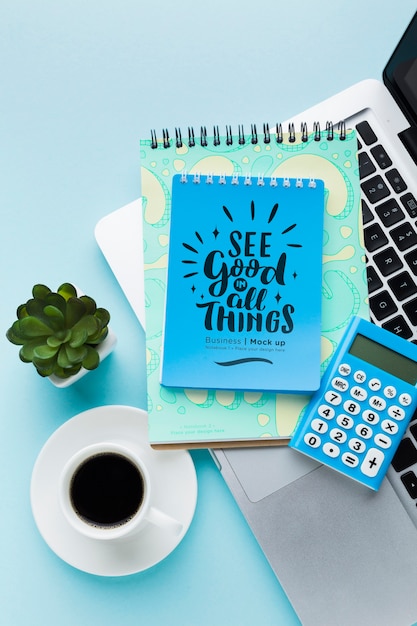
(404,399)
(345,421)
(359,393)
(372,462)
(331,450)
(340,383)
(338,435)
(370,416)
(396,412)
(312,440)
(344,368)
(326,411)
(359,376)
(374,384)
(363,431)
(319,426)
(351,460)
(376,402)
(332,397)
(390,391)
(382,441)
(389,427)
(352,407)
(357,445)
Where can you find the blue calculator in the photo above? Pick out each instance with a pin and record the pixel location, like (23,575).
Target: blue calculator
(355,421)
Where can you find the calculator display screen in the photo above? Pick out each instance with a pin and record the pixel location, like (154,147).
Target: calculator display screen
(386,359)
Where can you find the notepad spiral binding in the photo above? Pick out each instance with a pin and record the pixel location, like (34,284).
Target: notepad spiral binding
(247,179)
(253,137)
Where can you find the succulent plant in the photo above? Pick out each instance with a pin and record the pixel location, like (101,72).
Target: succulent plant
(59,331)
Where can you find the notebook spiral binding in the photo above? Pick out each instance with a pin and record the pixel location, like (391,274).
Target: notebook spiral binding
(247,180)
(253,137)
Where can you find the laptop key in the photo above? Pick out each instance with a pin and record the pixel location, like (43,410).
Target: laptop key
(389,212)
(409,480)
(366,167)
(399,327)
(404,236)
(375,189)
(374,237)
(402,286)
(411,259)
(413,429)
(367,215)
(410,309)
(374,282)
(410,204)
(366,132)
(382,305)
(388,261)
(396,181)
(381,157)
(405,456)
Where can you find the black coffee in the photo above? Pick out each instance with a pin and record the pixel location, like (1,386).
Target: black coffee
(107,490)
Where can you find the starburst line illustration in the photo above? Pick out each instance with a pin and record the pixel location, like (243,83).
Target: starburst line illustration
(272,215)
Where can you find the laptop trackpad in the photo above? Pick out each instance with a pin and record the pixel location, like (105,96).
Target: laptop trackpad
(343,553)
(262,471)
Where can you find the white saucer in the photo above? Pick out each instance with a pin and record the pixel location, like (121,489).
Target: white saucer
(174,489)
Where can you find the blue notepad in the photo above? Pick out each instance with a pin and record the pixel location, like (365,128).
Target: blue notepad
(243,301)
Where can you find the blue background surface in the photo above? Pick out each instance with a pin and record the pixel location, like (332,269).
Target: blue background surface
(80,83)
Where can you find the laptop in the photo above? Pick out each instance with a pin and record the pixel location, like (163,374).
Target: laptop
(342,553)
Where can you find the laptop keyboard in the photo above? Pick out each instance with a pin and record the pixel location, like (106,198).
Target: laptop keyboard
(389,216)
(389,212)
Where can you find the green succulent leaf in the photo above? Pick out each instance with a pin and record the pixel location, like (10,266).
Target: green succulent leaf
(60,372)
(30,327)
(26,352)
(45,370)
(34,307)
(90,304)
(88,323)
(75,310)
(76,355)
(78,338)
(103,315)
(59,338)
(14,334)
(99,336)
(92,359)
(55,316)
(67,291)
(62,358)
(44,352)
(22,311)
(56,300)
(40,291)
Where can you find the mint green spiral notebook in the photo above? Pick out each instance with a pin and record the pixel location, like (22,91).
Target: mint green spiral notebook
(192,417)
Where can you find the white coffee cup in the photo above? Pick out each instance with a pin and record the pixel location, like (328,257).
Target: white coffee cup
(106,493)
